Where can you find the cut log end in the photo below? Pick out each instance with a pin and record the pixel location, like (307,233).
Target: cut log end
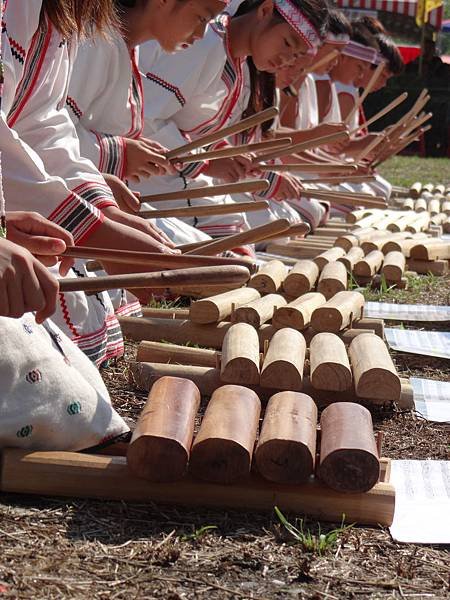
(240,371)
(379,384)
(219,461)
(282,375)
(284,461)
(350,470)
(333,377)
(157,459)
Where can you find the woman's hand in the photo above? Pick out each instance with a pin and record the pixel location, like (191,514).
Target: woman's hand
(25,283)
(288,189)
(145,158)
(140,224)
(44,239)
(230,170)
(127,200)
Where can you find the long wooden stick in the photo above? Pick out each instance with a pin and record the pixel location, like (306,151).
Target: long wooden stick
(205,210)
(310,168)
(210,138)
(152,259)
(382,112)
(366,92)
(200,276)
(306,145)
(250,186)
(362,195)
(354,200)
(235,150)
(368,149)
(338,180)
(251,236)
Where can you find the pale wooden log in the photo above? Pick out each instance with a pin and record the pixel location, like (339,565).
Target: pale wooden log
(297,314)
(219,275)
(303,167)
(329,365)
(232,151)
(329,232)
(393,266)
(421,222)
(351,258)
(401,223)
(217,308)
(173,353)
(301,278)
(369,220)
(250,186)
(408,203)
(259,311)
(286,450)
(446,207)
(359,102)
(251,236)
(71,474)
(205,210)
(423,267)
(446,225)
(223,448)
(348,451)
(346,242)
(370,324)
(333,279)
(240,355)
(329,256)
(438,219)
(165,313)
(401,98)
(284,361)
(416,189)
(439,189)
(338,312)
(302,146)
(197,292)
(144,375)
(349,335)
(430,250)
(376,243)
(434,206)
(161,442)
(369,265)
(403,246)
(374,372)
(356,215)
(428,187)
(336,180)
(210,138)
(269,278)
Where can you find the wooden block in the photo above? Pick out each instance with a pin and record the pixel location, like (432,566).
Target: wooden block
(351,258)
(415,189)
(301,278)
(369,265)
(434,206)
(329,364)
(420,205)
(297,314)
(430,250)
(393,266)
(269,278)
(71,474)
(408,203)
(376,243)
(223,448)
(338,312)
(240,355)
(172,353)
(333,279)
(286,449)
(161,442)
(348,451)
(259,311)
(428,187)
(374,372)
(284,361)
(217,308)
(424,267)
(329,256)
(356,215)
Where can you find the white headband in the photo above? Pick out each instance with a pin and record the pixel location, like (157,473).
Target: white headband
(337,38)
(359,51)
(299,22)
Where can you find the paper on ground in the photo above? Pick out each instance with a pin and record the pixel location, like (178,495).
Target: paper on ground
(428,343)
(432,399)
(422,501)
(406,312)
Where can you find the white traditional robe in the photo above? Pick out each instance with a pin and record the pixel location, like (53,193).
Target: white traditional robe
(42,167)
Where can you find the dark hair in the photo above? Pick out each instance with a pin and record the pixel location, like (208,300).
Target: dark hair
(391,53)
(81,17)
(338,22)
(372,24)
(363,36)
(262,84)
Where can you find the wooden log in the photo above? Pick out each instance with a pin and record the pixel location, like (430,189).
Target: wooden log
(217,308)
(284,361)
(240,355)
(349,335)
(165,313)
(338,312)
(71,474)
(430,250)
(348,451)
(250,186)
(161,442)
(144,375)
(420,205)
(403,246)
(297,314)
(223,448)
(416,189)
(446,207)
(408,203)
(301,278)
(329,364)
(434,206)
(286,449)
(162,279)
(269,278)
(259,311)
(328,256)
(378,242)
(355,215)
(332,280)
(370,324)
(346,242)
(420,223)
(393,266)
(369,265)
(251,236)
(351,258)
(374,372)
(424,267)
(173,353)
